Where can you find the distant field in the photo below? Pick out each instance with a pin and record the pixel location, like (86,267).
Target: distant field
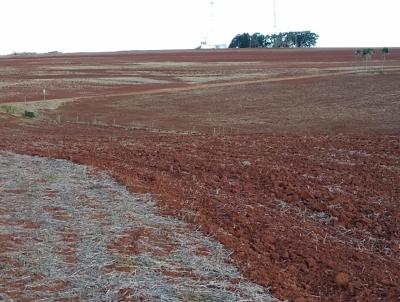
(285,91)
(289,158)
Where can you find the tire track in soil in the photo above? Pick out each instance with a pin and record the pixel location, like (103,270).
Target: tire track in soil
(190,87)
(228,84)
(234,83)
(71,233)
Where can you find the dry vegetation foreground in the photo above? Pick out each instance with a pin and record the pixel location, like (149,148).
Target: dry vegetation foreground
(69,233)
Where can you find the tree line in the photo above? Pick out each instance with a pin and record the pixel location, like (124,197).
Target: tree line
(292,39)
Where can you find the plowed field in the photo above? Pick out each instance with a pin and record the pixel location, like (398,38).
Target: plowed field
(290,159)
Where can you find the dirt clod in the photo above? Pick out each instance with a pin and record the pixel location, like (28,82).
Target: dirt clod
(342,279)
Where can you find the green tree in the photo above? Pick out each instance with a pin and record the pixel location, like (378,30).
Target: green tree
(301,39)
(235,42)
(257,40)
(240,41)
(367,54)
(268,41)
(277,40)
(359,55)
(306,39)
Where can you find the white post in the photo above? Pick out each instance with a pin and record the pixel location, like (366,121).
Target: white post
(44,94)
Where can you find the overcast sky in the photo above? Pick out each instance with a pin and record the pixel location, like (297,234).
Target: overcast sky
(110,25)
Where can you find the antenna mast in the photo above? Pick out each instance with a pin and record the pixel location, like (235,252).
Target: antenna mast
(274,16)
(211,25)
(209,36)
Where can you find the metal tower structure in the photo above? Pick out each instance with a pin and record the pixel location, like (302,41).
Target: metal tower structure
(209,36)
(275,17)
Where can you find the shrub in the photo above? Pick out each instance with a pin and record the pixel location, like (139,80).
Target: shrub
(29,114)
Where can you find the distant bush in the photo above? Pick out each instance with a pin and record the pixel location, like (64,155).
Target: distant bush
(29,114)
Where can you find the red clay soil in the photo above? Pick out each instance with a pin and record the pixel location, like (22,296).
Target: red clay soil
(319,104)
(314,217)
(26,76)
(223,55)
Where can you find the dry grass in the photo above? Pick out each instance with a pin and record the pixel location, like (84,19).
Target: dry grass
(68,232)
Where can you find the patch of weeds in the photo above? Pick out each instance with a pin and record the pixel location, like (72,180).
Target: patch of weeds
(193,297)
(18,110)
(380,72)
(7,108)
(52,178)
(126,261)
(328,131)
(10,109)
(29,114)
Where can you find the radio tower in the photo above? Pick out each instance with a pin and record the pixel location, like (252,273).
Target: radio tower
(209,36)
(274,16)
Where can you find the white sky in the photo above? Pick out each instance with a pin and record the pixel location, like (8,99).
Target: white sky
(110,25)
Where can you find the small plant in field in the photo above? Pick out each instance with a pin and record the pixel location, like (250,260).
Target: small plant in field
(365,53)
(328,131)
(29,114)
(52,177)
